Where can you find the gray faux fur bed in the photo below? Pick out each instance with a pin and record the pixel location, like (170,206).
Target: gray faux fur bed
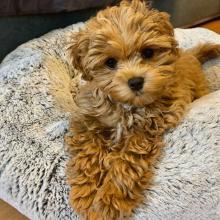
(35,105)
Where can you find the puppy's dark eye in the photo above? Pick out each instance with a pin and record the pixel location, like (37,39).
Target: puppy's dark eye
(147,53)
(111,63)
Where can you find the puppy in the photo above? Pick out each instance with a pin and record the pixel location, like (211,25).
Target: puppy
(138,84)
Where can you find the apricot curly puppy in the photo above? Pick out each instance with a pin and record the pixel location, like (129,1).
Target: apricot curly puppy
(138,83)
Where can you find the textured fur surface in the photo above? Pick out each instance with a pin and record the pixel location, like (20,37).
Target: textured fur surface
(34,97)
(114,147)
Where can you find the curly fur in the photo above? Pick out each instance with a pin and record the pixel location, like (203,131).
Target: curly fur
(118,133)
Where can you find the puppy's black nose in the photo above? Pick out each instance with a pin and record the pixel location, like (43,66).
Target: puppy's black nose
(136,83)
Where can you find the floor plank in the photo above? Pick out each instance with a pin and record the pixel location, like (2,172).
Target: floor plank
(9,213)
(212,25)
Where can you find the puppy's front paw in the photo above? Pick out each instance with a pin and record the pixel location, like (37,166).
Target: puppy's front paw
(81,197)
(112,203)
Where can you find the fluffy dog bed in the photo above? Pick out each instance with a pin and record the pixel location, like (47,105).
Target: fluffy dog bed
(35,105)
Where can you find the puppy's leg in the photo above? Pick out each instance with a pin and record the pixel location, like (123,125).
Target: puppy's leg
(128,175)
(174,114)
(174,111)
(84,171)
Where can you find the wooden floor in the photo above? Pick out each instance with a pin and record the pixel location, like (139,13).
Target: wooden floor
(9,213)
(213,25)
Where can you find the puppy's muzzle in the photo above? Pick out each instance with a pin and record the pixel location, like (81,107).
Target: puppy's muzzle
(136,83)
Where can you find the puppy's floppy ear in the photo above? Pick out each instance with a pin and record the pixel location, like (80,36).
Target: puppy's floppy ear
(78,49)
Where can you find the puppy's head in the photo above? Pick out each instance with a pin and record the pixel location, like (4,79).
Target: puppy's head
(127,51)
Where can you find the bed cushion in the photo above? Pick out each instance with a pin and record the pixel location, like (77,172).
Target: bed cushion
(36,104)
